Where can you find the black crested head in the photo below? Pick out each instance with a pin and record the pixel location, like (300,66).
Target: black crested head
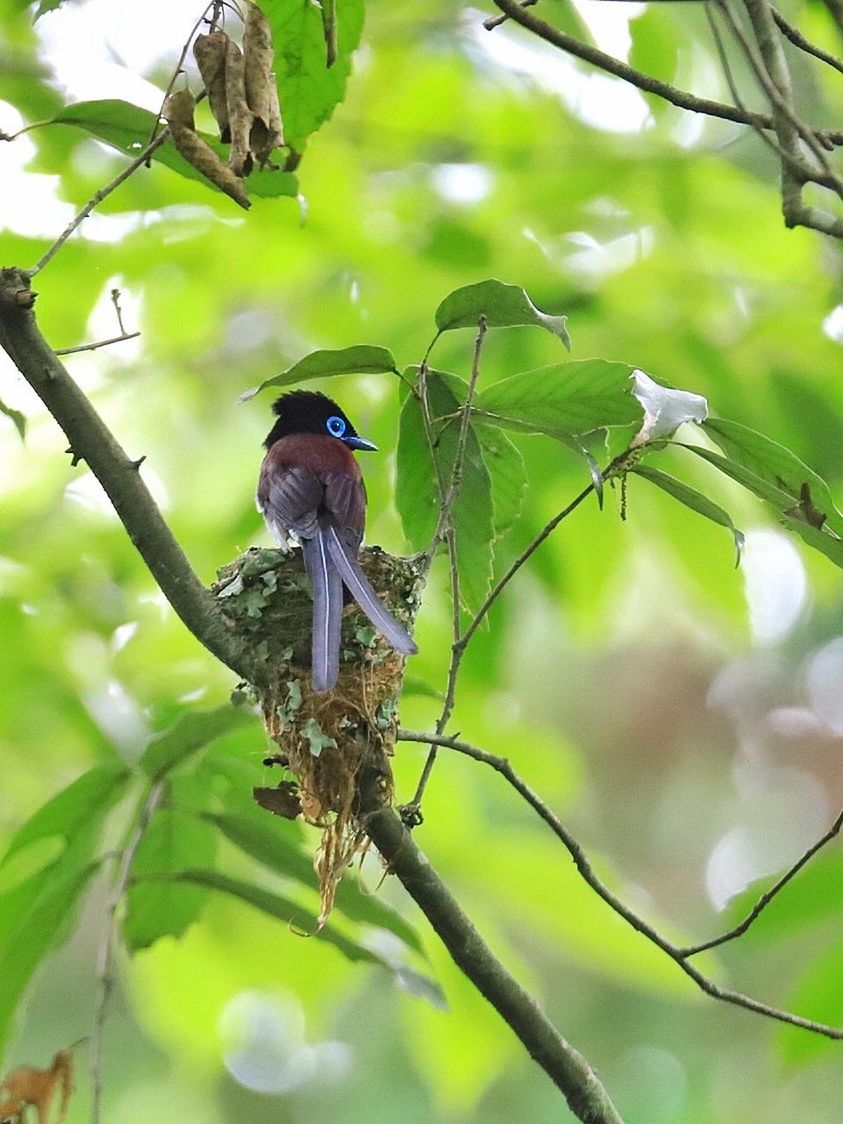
(307,411)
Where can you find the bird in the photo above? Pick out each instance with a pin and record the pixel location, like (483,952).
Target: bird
(311,490)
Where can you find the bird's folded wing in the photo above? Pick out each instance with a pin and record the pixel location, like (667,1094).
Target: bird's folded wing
(288,498)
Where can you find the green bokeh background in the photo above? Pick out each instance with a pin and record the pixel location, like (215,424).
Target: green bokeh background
(666,249)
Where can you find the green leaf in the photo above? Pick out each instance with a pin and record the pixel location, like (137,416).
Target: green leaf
(776,466)
(419,688)
(502,305)
(819,538)
(16,417)
(190,733)
(508,475)
(693,499)
(156,906)
(34,918)
(563,398)
(284,909)
(82,805)
(128,128)
(269,840)
(417,489)
(818,995)
(308,89)
(358,360)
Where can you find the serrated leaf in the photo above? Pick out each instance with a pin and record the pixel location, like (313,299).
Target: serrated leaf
(417,490)
(83,804)
(358,360)
(693,499)
(190,733)
(508,475)
(309,90)
(128,128)
(156,907)
(777,466)
(571,398)
(821,539)
(502,305)
(268,840)
(275,905)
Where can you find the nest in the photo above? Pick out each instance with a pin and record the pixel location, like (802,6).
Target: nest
(337,745)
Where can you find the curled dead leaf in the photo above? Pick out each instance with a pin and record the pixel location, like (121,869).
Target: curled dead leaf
(209,52)
(178,111)
(266,131)
(239,114)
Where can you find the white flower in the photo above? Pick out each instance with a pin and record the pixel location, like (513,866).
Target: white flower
(664,410)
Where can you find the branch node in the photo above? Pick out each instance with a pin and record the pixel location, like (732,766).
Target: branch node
(135,465)
(411,815)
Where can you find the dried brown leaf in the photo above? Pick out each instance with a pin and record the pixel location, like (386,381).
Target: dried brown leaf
(239,114)
(209,52)
(281,801)
(178,111)
(266,132)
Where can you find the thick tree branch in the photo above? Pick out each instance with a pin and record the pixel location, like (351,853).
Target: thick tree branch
(567,1068)
(91,440)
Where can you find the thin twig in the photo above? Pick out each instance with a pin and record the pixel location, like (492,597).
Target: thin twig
(762,134)
(495,21)
(24,129)
(574,849)
(115,300)
(95,200)
(98,344)
(798,40)
(105,957)
(682,99)
(768,895)
(216,6)
(449,499)
(585,51)
(768,64)
(446,530)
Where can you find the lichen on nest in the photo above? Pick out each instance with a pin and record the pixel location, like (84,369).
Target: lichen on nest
(337,744)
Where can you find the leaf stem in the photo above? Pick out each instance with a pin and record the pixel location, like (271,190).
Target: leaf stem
(105,956)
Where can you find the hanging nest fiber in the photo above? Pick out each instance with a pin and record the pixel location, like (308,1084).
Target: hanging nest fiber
(336,745)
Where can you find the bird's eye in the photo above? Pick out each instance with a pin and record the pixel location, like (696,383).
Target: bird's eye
(336,426)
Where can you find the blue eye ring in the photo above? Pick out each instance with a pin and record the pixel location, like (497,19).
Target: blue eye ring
(335,426)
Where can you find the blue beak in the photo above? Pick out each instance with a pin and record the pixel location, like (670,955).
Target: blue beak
(361,443)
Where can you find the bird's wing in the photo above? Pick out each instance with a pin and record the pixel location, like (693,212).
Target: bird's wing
(345,501)
(289,498)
